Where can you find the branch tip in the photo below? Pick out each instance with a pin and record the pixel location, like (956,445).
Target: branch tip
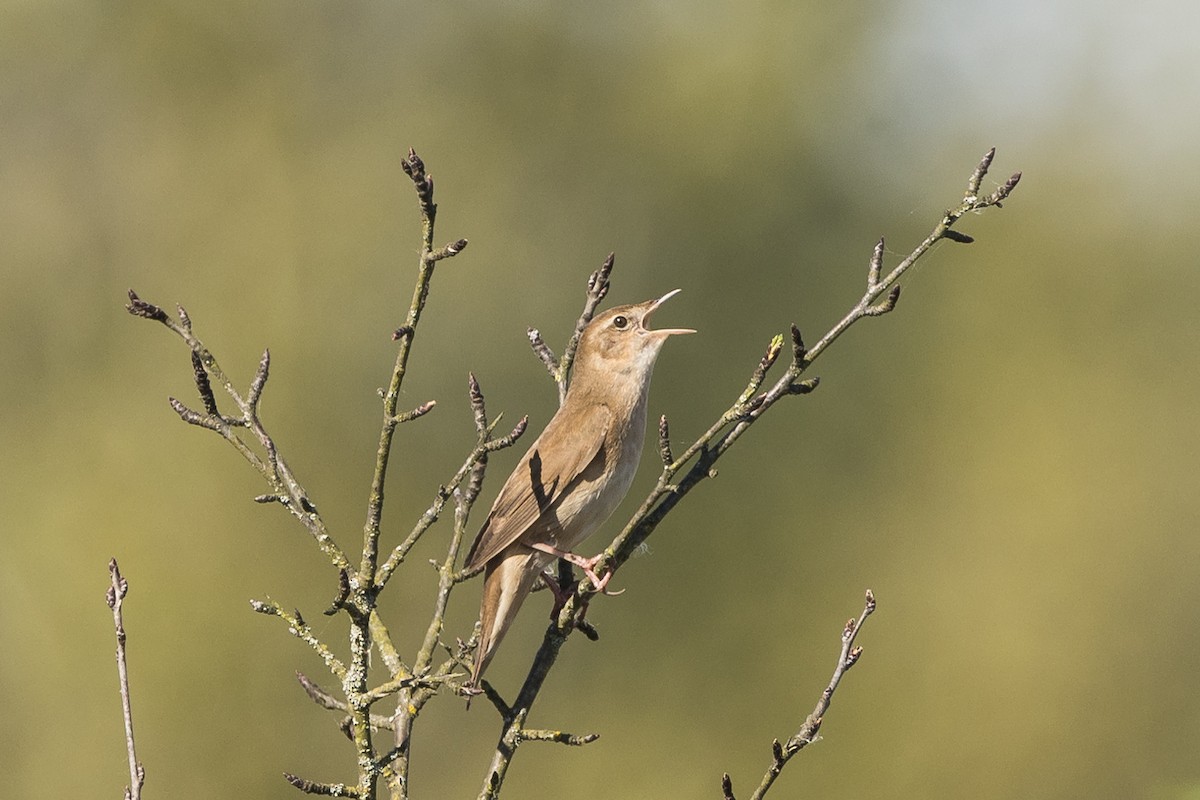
(543,351)
(260,380)
(203,385)
(598,282)
(799,352)
(412,165)
(478,408)
(507,441)
(194,417)
(773,350)
(414,168)
(852,656)
(140,308)
(588,629)
(119,587)
(885,305)
(876,265)
(955,236)
(977,176)
(419,411)
(1005,190)
(448,251)
(559,737)
(343,594)
(727,787)
(664,442)
(260,607)
(806,386)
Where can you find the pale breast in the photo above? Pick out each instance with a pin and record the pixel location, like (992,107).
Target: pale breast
(600,490)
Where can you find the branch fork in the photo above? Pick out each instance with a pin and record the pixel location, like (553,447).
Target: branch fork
(412,683)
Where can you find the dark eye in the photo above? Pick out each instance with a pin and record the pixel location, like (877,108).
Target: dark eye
(620,322)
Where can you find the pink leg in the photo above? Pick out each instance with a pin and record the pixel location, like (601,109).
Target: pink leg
(588,565)
(560,596)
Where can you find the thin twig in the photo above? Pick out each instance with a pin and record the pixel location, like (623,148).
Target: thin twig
(782,752)
(285,489)
(597,288)
(325,699)
(358,588)
(116,596)
(559,737)
(483,446)
(729,427)
(322,789)
(301,630)
(414,167)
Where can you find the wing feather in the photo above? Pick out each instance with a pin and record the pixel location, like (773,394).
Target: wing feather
(540,478)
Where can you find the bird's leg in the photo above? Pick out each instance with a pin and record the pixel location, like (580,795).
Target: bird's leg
(588,565)
(561,595)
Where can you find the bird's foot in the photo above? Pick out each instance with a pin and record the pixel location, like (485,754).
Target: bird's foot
(588,565)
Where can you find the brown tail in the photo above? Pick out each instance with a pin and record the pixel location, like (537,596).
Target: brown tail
(507,581)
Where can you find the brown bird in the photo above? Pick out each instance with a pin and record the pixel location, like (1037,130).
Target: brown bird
(576,473)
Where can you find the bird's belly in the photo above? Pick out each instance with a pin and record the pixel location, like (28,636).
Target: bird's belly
(591,502)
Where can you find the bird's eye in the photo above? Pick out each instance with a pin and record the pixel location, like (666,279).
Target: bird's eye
(620,322)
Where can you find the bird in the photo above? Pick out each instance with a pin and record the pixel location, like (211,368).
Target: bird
(574,475)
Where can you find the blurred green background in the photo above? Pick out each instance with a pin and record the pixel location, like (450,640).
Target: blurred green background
(1009,460)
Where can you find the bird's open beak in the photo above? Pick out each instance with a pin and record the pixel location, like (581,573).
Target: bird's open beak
(654,307)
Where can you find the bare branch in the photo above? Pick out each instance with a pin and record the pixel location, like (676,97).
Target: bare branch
(140,308)
(1004,191)
(202,383)
(511,438)
(702,454)
(976,179)
(876,265)
(781,753)
(543,352)
(259,383)
(115,597)
(483,446)
(416,413)
(325,699)
(960,238)
(414,167)
(300,629)
(560,737)
(885,305)
(597,289)
(664,442)
(323,789)
(273,468)
(760,371)
(184,320)
(799,353)
(478,406)
(448,250)
(196,418)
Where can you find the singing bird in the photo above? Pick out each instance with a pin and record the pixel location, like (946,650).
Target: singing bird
(576,473)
